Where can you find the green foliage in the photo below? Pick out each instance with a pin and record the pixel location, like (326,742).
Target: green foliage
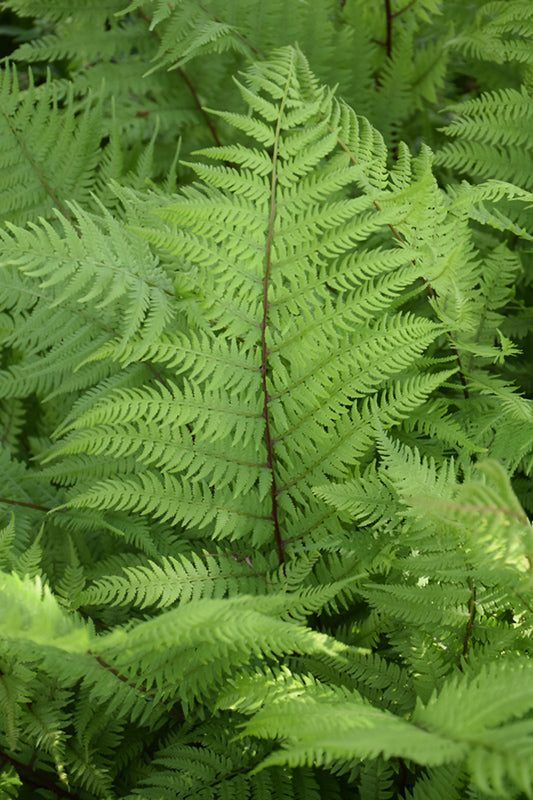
(266,408)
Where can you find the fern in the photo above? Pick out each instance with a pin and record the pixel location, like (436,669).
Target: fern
(266,432)
(266,487)
(49,155)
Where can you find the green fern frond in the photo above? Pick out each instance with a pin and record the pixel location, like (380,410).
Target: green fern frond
(383,683)
(376,780)
(10,783)
(221,769)
(7,535)
(198,645)
(23,491)
(432,422)
(188,35)
(365,498)
(12,418)
(489,125)
(28,564)
(501,32)
(185,580)
(49,153)
(490,705)
(442,783)
(439,733)
(412,475)
(489,134)
(324,726)
(436,606)
(276,333)
(67,34)
(97,269)
(29,610)
(57,10)
(503,538)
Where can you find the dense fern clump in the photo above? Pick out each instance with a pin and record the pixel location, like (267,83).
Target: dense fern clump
(266,407)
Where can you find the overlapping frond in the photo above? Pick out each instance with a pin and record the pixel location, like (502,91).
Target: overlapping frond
(149,584)
(490,136)
(501,32)
(94,282)
(49,152)
(327,726)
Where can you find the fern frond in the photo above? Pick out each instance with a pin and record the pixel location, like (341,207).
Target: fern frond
(29,610)
(93,287)
(67,34)
(302,350)
(503,538)
(324,726)
(411,474)
(12,419)
(440,783)
(490,703)
(491,132)
(198,645)
(7,535)
(365,497)
(49,155)
(501,33)
(220,769)
(23,493)
(185,580)
(281,330)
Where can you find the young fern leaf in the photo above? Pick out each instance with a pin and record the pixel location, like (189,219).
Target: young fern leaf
(7,535)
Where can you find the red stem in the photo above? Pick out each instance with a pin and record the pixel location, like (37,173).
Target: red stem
(264,350)
(388,15)
(402,10)
(207,119)
(24,505)
(266,398)
(191,88)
